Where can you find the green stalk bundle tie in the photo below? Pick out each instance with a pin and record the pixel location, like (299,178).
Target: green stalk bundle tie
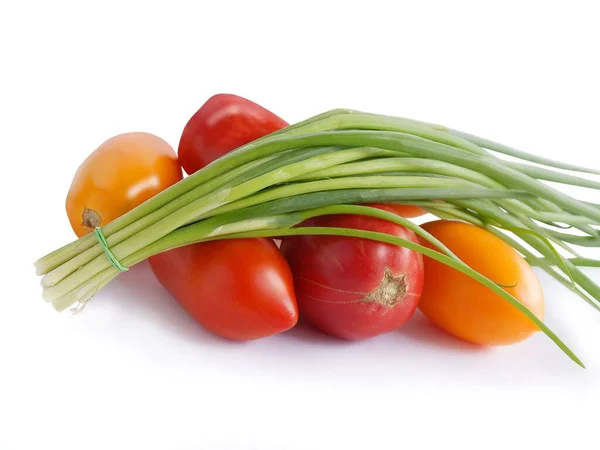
(112,258)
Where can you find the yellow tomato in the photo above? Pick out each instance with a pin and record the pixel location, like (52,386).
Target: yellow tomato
(466,308)
(122,173)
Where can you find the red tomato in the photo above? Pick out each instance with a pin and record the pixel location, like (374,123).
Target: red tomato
(224,123)
(355,288)
(238,289)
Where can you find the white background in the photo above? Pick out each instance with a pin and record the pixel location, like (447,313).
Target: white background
(133,371)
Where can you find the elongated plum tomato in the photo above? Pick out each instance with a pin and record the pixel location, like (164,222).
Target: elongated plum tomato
(355,288)
(239,289)
(467,309)
(224,123)
(122,173)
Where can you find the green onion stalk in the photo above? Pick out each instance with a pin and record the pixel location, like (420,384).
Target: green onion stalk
(332,164)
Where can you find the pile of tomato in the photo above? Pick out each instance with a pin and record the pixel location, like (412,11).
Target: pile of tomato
(350,288)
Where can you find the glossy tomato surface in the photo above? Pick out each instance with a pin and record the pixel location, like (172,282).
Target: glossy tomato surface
(122,173)
(466,308)
(355,288)
(224,123)
(239,289)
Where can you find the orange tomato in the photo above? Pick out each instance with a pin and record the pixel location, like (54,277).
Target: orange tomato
(408,211)
(467,309)
(122,173)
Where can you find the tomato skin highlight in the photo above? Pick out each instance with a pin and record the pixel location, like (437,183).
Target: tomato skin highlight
(240,289)
(355,288)
(224,123)
(123,172)
(464,307)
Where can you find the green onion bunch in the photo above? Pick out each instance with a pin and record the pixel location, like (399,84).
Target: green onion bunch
(331,164)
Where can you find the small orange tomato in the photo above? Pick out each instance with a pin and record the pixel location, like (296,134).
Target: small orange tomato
(122,173)
(467,309)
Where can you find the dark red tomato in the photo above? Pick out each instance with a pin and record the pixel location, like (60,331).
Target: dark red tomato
(355,288)
(239,289)
(224,123)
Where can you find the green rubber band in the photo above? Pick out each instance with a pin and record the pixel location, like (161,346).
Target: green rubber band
(112,258)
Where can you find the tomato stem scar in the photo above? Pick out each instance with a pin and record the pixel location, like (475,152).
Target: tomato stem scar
(390,291)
